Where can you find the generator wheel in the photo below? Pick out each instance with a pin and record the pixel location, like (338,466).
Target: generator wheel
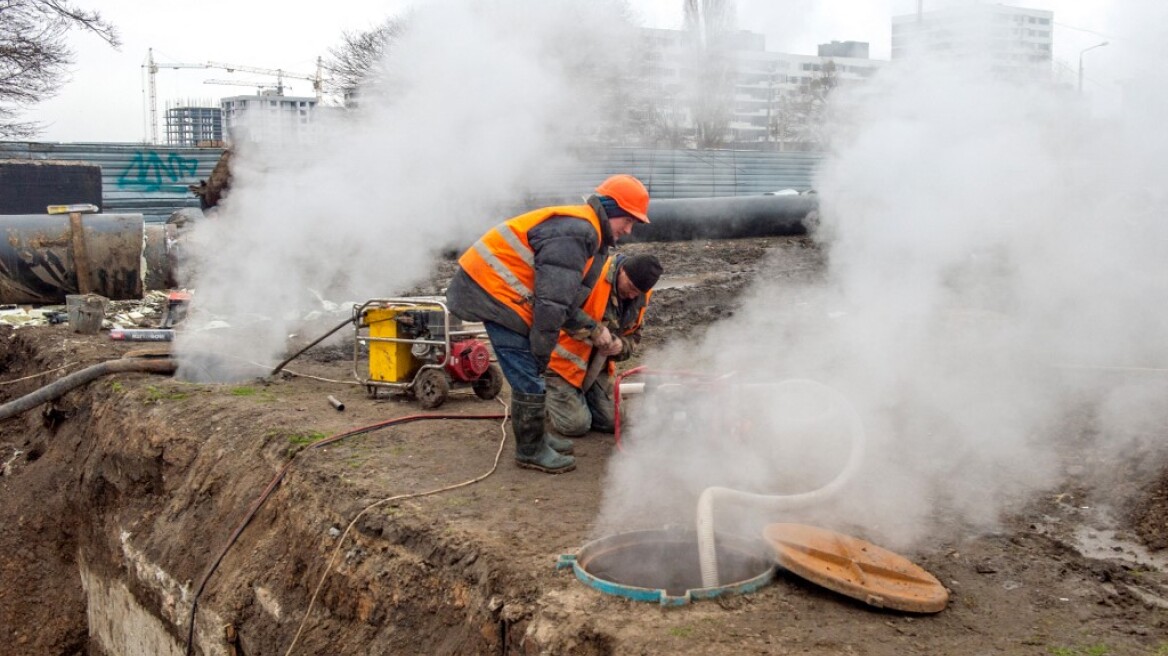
(489,384)
(431,388)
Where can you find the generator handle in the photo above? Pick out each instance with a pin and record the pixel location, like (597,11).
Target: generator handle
(397,301)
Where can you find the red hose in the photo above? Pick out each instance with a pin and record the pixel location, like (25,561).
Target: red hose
(616,422)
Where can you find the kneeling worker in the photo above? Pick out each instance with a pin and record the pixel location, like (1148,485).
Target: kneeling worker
(525,279)
(580,374)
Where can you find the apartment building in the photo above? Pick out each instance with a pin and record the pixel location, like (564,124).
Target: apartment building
(270,118)
(758,87)
(1013,41)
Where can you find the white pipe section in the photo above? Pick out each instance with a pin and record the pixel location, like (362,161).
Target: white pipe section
(707,548)
(631,388)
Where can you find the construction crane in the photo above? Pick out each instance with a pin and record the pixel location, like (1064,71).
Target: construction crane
(152,67)
(259,86)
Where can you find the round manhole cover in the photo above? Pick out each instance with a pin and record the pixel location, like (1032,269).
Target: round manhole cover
(856,568)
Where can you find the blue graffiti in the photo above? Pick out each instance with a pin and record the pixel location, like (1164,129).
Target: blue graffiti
(149,172)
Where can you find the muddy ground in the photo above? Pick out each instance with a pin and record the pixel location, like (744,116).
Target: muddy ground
(144,479)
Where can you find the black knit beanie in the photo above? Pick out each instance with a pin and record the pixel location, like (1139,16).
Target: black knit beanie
(642,270)
(613,210)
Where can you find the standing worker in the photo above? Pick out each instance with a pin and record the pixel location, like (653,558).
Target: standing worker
(579,379)
(527,278)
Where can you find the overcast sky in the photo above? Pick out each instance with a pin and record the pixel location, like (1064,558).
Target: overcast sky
(106,97)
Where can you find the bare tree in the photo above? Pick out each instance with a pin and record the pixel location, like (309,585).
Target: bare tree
(34,57)
(811,108)
(710,25)
(670,124)
(802,120)
(359,59)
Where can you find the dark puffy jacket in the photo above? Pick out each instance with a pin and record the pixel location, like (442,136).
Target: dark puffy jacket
(562,246)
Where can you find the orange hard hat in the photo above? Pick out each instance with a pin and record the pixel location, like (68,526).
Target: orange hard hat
(629,194)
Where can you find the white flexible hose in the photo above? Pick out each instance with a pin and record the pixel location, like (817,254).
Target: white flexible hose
(707,547)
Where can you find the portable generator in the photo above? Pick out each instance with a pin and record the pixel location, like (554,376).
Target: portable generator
(417,347)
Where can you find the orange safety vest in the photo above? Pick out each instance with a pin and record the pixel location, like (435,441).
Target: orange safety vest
(570,357)
(503,264)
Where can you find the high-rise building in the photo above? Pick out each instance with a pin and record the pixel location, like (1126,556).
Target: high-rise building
(270,118)
(1012,40)
(190,125)
(853,49)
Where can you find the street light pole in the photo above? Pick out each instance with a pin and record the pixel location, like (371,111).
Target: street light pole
(1097,45)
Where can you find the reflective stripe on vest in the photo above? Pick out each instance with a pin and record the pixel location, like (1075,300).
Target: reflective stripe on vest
(570,357)
(502,261)
(575,360)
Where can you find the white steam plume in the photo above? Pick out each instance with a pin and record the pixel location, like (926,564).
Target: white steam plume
(991,246)
(482,97)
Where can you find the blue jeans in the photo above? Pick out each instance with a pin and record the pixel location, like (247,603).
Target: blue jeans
(513,351)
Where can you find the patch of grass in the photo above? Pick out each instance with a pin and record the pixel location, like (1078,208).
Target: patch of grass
(158,395)
(258,394)
(118,387)
(1162,650)
(305,438)
(298,441)
(681,631)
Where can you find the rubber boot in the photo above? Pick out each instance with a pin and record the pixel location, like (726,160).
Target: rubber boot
(559,444)
(532,450)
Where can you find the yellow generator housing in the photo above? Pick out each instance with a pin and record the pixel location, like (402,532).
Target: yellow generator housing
(415,346)
(389,362)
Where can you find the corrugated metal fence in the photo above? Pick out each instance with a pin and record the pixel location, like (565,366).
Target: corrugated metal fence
(135,178)
(153,180)
(687,173)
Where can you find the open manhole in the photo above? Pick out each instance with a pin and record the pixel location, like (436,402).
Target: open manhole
(664,566)
(661,565)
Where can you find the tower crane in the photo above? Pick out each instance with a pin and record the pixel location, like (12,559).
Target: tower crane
(259,86)
(152,67)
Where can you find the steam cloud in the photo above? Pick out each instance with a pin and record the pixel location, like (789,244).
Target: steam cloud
(481,99)
(996,281)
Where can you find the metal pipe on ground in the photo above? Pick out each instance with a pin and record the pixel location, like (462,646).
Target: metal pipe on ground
(43,258)
(63,386)
(731,217)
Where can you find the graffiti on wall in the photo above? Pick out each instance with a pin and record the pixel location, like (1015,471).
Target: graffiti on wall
(148,171)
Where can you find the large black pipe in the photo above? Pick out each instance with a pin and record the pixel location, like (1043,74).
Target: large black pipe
(63,386)
(159,256)
(45,257)
(731,217)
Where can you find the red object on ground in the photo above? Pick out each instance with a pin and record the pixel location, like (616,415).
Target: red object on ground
(468,360)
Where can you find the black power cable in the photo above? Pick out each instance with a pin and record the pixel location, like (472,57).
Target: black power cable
(316,341)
